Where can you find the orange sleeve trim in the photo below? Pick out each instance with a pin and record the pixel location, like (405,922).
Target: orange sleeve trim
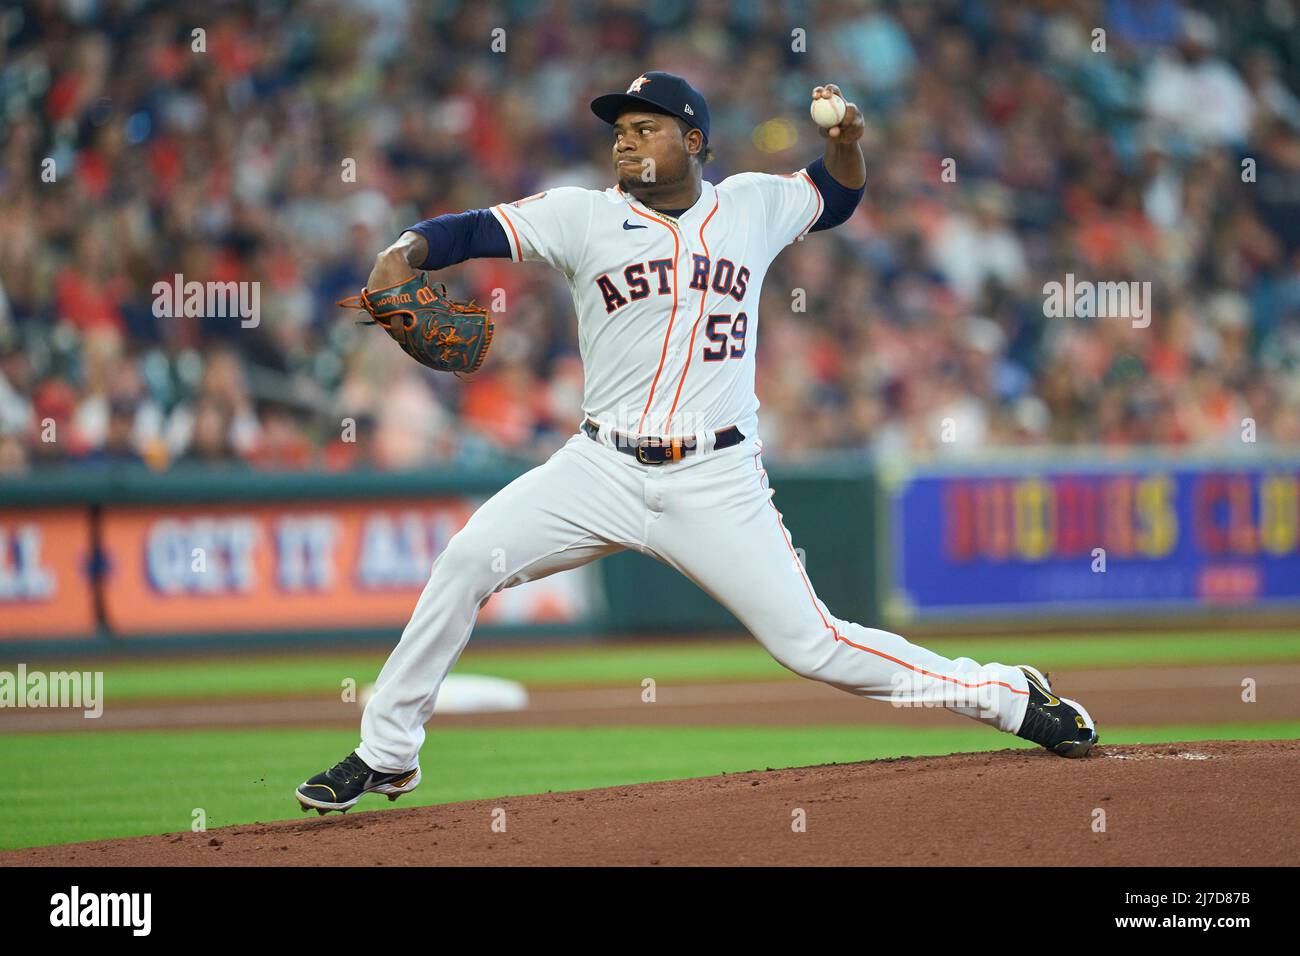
(518,247)
(816,192)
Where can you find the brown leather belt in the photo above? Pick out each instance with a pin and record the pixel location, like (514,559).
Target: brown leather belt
(653,450)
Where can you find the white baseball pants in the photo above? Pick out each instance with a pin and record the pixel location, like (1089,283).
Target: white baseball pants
(710,516)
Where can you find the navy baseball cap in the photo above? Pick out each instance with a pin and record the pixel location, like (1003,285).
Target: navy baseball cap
(657,92)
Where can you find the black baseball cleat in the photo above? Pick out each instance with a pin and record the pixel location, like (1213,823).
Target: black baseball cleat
(1057,723)
(341,786)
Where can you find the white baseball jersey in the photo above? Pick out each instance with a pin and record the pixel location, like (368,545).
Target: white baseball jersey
(668,316)
(667,309)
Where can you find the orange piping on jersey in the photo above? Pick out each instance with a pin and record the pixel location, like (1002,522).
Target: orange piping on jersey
(519,249)
(794,558)
(690,349)
(818,193)
(671,318)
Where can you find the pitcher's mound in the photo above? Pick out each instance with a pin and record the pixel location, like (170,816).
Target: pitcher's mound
(1222,802)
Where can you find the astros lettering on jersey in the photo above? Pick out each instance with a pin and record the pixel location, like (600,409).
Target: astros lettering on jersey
(667,308)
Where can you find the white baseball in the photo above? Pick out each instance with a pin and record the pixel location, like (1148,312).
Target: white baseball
(828,112)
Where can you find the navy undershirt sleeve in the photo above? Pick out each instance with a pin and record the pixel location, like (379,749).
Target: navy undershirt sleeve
(459,236)
(840,200)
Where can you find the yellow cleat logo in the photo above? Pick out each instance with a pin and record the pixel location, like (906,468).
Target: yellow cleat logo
(1051,701)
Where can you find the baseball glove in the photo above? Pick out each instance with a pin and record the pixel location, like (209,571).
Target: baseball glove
(429,325)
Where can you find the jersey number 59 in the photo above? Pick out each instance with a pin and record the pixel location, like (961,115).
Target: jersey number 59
(727,335)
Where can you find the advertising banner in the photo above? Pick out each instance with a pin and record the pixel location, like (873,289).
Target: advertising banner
(45,583)
(328,565)
(1025,540)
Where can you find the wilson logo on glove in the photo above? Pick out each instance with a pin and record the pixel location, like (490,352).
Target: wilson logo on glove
(429,325)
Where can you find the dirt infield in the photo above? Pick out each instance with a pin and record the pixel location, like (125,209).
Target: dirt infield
(1226,803)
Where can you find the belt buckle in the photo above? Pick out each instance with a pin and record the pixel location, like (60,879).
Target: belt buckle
(648,441)
(676,449)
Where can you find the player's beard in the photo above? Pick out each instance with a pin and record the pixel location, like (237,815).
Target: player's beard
(664,180)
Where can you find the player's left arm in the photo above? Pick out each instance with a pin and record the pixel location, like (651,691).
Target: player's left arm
(841,174)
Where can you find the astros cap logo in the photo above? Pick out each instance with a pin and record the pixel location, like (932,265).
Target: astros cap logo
(639,82)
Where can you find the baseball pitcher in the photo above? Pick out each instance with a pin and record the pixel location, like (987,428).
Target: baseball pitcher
(665,271)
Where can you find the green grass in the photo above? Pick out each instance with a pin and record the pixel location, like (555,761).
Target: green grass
(150,781)
(299,673)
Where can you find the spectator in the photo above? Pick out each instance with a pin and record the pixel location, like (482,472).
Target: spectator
(211,444)
(1003,153)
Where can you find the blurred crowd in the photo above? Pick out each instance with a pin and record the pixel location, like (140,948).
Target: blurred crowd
(1009,144)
